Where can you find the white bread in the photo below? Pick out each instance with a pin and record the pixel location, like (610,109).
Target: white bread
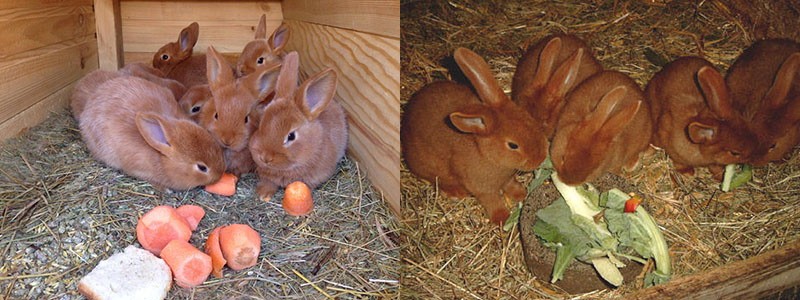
(132,274)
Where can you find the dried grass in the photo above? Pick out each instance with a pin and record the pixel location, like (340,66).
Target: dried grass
(63,212)
(451,252)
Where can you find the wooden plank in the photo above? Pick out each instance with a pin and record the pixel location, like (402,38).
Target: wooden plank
(381,17)
(36,114)
(109,34)
(369,89)
(226,36)
(25,29)
(23,4)
(147,57)
(29,77)
(753,278)
(188,11)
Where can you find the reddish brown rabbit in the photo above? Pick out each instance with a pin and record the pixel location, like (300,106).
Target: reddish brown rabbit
(547,72)
(262,51)
(176,61)
(156,76)
(765,87)
(604,126)
(471,144)
(194,99)
(303,132)
(136,126)
(693,119)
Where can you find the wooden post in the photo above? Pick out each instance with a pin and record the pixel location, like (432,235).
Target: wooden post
(109,34)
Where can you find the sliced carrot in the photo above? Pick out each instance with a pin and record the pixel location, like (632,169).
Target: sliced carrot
(240,245)
(297,199)
(190,267)
(159,226)
(225,186)
(192,214)
(212,249)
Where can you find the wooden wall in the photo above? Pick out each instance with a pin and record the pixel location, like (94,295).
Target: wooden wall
(46,47)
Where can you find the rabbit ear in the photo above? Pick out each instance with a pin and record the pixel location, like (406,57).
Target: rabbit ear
(700,133)
(316,93)
(476,123)
(565,76)
(777,94)
(263,83)
(279,37)
(151,127)
(620,120)
(188,37)
(547,59)
(287,79)
(716,92)
(604,119)
(261,29)
(480,75)
(218,71)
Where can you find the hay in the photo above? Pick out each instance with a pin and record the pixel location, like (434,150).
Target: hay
(451,252)
(63,212)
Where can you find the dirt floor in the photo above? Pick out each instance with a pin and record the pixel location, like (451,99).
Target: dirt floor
(63,212)
(450,250)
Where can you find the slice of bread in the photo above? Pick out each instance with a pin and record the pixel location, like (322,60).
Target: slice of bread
(134,273)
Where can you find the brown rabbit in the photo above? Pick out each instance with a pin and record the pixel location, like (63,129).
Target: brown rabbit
(604,126)
(175,59)
(765,87)
(468,144)
(262,51)
(194,99)
(154,75)
(547,72)
(136,126)
(303,132)
(693,119)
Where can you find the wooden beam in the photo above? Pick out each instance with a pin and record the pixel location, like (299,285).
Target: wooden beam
(28,28)
(763,275)
(369,89)
(379,17)
(109,34)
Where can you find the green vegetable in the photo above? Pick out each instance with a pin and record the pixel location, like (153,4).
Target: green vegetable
(513,219)
(733,179)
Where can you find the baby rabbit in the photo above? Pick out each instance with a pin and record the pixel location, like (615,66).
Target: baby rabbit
(154,75)
(227,115)
(547,72)
(765,87)
(175,59)
(303,131)
(604,126)
(194,99)
(471,144)
(262,51)
(136,126)
(693,119)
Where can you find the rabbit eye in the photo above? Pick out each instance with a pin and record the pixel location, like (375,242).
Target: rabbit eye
(195,109)
(290,137)
(734,153)
(202,168)
(246,119)
(772,147)
(260,60)
(164,57)
(216,116)
(512,146)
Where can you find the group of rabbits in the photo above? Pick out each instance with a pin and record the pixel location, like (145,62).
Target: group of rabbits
(187,119)
(591,121)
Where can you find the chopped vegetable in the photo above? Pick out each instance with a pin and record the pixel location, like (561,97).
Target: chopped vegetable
(190,266)
(513,219)
(297,199)
(225,186)
(733,179)
(159,226)
(240,245)
(192,214)
(213,249)
(632,203)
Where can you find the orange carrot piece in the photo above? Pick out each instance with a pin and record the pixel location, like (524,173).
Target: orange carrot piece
(240,245)
(225,186)
(159,226)
(190,266)
(297,199)
(192,214)
(212,249)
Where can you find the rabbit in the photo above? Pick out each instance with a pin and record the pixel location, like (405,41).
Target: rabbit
(86,87)
(228,115)
(136,126)
(176,61)
(156,76)
(303,132)
(471,144)
(262,51)
(604,126)
(547,72)
(765,86)
(694,121)
(193,100)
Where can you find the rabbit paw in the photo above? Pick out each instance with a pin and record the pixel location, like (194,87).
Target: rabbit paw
(515,190)
(266,190)
(499,216)
(717,172)
(453,191)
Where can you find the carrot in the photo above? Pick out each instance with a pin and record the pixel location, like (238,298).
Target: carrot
(212,249)
(225,186)
(159,226)
(297,199)
(192,214)
(240,245)
(190,267)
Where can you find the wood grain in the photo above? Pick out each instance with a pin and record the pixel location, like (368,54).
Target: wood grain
(369,89)
(24,4)
(37,113)
(109,34)
(379,17)
(28,28)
